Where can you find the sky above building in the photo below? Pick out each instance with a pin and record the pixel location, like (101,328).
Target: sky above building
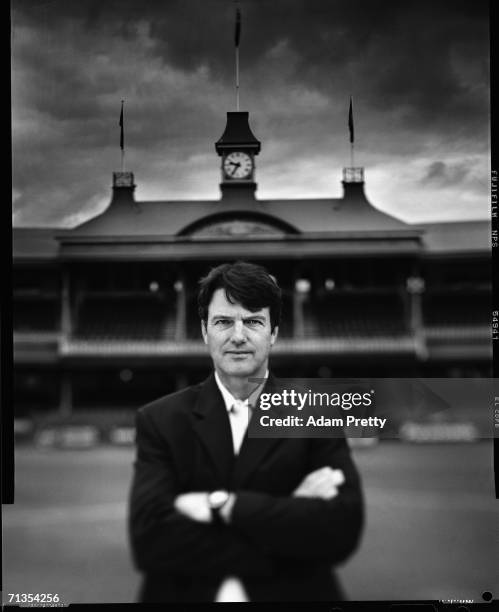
(418,72)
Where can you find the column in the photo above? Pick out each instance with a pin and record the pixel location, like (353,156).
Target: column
(66,322)
(300,292)
(181,310)
(415,287)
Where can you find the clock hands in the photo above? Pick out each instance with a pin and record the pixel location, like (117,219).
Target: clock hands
(236,166)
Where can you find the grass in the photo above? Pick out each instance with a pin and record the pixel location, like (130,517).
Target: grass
(430,534)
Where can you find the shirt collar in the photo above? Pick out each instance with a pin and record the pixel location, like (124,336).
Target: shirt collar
(230,400)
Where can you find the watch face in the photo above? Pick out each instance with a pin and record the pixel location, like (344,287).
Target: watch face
(238,165)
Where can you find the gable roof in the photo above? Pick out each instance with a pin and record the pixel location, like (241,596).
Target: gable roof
(127,217)
(340,218)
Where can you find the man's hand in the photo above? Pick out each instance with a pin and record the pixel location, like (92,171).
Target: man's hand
(226,509)
(194,506)
(322,483)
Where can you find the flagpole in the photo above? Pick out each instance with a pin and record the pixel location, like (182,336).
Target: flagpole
(351,130)
(122,138)
(237,78)
(237,36)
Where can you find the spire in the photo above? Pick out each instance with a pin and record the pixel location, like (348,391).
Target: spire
(123,187)
(238,134)
(123,182)
(237,147)
(353,176)
(237,38)
(353,182)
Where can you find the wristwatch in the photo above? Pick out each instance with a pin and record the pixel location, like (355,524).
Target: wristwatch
(216,501)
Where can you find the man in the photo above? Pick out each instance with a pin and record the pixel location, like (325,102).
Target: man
(219,516)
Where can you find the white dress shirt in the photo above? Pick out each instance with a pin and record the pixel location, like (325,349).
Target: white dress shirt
(238,410)
(231,588)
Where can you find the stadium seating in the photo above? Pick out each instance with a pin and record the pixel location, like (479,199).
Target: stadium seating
(352,314)
(456,309)
(169,326)
(35,314)
(286,324)
(114,318)
(193,326)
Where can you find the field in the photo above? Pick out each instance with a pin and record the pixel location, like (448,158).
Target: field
(431,524)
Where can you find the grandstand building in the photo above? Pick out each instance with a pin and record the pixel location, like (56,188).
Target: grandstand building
(105,313)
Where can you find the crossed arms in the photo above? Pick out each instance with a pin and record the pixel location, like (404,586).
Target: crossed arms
(320,521)
(322,483)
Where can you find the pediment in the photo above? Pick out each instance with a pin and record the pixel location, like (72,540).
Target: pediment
(238,225)
(237,228)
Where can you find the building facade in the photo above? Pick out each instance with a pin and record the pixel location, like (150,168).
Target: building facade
(105,315)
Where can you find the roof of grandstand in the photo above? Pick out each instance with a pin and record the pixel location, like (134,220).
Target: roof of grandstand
(240,215)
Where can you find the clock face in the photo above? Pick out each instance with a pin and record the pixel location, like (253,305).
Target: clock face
(238,165)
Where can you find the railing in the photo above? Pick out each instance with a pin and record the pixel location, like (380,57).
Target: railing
(339,344)
(123,179)
(353,174)
(194,348)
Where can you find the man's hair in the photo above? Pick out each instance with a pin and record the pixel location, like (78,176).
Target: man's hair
(244,283)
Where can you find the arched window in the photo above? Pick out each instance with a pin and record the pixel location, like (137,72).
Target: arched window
(238,225)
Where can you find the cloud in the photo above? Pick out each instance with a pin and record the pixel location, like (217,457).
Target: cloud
(418,72)
(441,174)
(389,51)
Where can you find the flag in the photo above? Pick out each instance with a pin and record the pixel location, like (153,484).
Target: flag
(350,121)
(122,136)
(237,34)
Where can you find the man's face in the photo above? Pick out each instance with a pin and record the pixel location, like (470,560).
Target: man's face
(239,340)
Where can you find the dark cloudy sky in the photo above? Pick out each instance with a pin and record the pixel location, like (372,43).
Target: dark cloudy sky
(418,72)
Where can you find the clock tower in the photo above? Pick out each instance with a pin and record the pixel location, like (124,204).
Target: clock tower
(237,147)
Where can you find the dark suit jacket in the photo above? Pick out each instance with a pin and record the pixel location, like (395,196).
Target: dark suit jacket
(281,547)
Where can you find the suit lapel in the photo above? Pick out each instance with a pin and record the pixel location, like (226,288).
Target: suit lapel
(254,450)
(212,425)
